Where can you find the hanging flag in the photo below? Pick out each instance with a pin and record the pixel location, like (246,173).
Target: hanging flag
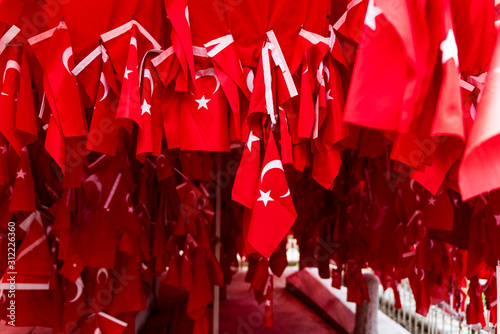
(178,14)
(204,115)
(273,211)
(150,136)
(23,195)
(478,169)
(104,130)
(247,176)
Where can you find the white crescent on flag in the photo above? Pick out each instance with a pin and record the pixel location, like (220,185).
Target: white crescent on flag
(79,289)
(147,74)
(106,275)
(65,57)
(270,165)
(11,64)
(106,87)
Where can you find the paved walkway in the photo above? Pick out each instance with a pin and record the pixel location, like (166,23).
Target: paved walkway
(240,313)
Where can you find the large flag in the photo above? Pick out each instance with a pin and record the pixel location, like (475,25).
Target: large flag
(479,168)
(273,211)
(370,102)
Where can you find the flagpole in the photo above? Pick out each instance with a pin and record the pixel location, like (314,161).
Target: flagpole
(218,204)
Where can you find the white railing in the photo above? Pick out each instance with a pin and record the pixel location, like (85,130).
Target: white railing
(441,319)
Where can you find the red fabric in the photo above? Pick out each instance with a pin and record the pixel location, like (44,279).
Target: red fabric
(204,115)
(247,176)
(479,152)
(23,195)
(104,129)
(150,135)
(129,106)
(273,212)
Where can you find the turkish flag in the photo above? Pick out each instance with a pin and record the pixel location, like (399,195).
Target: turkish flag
(273,211)
(129,106)
(18,121)
(87,73)
(474,22)
(228,68)
(67,124)
(167,65)
(23,195)
(53,50)
(479,166)
(369,102)
(247,176)
(104,134)
(182,44)
(333,129)
(204,115)
(149,137)
(447,126)
(438,211)
(109,324)
(34,265)
(351,22)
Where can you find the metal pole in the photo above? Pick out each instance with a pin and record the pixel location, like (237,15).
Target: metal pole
(218,204)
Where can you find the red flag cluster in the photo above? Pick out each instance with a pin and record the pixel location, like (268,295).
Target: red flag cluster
(107,136)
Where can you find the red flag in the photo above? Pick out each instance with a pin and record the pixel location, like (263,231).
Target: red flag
(104,135)
(351,22)
(228,68)
(182,44)
(129,106)
(370,103)
(247,176)
(87,73)
(67,122)
(23,196)
(204,115)
(273,212)
(109,324)
(53,50)
(478,170)
(34,265)
(18,122)
(150,135)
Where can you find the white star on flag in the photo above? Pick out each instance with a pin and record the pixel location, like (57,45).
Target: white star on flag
(131,209)
(432,201)
(251,139)
(127,73)
(21,174)
(449,48)
(371,13)
(265,197)
(202,103)
(146,108)
(3,149)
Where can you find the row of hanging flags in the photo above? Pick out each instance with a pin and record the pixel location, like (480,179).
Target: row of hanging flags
(105,162)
